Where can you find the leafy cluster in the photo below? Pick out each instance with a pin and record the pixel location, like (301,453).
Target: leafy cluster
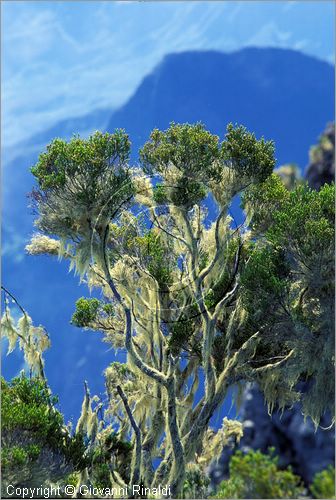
(156,257)
(264,282)
(225,276)
(261,204)
(182,332)
(190,160)
(84,181)
(255,475)
(323,485)
(35,440)
(110,449)
(248,157)
(87,310)
(192,151)
(77,157)
(190,148)
(305,220)
(196,483)
(288,290)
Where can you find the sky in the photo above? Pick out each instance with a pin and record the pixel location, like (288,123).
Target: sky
(63,59)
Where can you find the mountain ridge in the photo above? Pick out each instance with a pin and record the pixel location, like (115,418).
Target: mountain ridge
(215,88)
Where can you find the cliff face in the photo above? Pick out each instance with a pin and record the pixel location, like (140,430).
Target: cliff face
(321,168)
(295,441)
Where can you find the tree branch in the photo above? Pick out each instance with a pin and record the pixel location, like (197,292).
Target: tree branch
(147,370)
(7,292)
(135,478)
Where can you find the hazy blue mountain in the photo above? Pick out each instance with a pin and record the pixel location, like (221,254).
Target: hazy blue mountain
(83,125)
(281,94)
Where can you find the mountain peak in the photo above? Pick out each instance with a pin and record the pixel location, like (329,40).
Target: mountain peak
(279,93)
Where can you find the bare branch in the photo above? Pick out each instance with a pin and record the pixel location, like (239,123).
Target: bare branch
(178,238)
(7,292)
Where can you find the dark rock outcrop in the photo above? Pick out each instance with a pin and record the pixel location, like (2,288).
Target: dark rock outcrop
(321,168)
(295,441)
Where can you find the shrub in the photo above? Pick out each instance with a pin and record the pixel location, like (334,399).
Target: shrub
(36,445)
(255,475)
(323,485)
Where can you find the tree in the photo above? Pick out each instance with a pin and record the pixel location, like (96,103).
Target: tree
(193,298)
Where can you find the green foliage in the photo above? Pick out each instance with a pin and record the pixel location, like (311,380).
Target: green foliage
(78,156)
(218,350)
(266,286)
(193,152)
(256,475)
(24,404)
(71,479)
(323,485)
(264,280)
(156,257)
(186,192)
(182,331)
(82,184)
(203,260)
(86,312)
(91,313)
(102,476)
(262,201)
(223,280)
(247,156)
(115,449)
(114,444)
(199,161)
(31,426)
(182,192)
(190,148)
(305,220)
(160,194)
(302,217)
(17,456)
(108,309)
(288,291)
